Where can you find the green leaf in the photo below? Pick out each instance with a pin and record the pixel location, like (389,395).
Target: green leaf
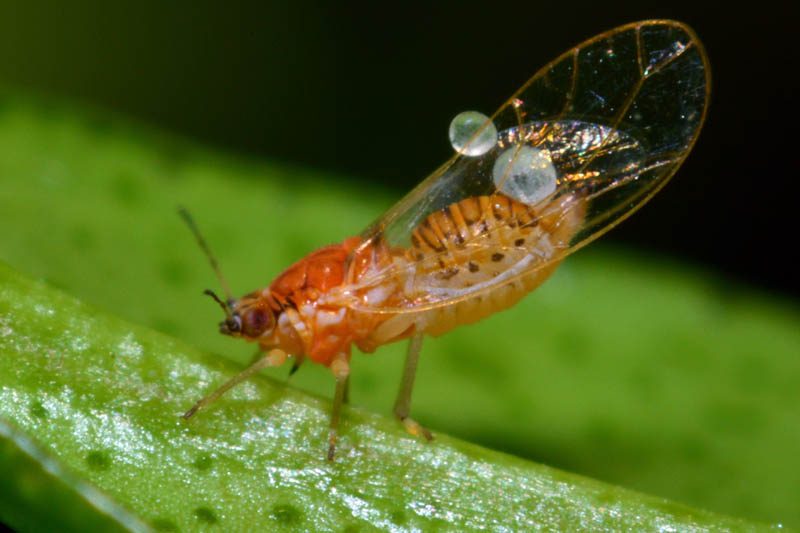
(629,369)
(105,399)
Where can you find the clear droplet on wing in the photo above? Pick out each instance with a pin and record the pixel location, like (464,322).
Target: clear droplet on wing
(525,173)
(472,133)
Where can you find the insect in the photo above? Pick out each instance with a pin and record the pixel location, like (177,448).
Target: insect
(582,145)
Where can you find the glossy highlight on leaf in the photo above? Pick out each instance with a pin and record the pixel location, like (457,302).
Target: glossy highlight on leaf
(636,370)
(104,397)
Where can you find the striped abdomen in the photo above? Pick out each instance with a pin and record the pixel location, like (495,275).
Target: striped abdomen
(489,248)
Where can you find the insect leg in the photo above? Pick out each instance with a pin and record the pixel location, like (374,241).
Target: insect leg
(298,360)
(346,398)
(273,358)
(402,405)
(341,370)
(256,357)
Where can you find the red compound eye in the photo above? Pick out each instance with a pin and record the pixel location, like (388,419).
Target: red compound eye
(256,321)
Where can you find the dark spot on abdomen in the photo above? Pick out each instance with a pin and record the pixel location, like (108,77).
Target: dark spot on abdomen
(497,256)
(449,273)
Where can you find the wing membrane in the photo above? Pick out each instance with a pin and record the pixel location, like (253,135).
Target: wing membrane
(617,115)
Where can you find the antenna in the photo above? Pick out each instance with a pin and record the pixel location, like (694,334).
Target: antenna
(184,213)
(225,307)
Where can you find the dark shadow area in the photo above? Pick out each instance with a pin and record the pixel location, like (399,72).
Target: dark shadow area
(368,91)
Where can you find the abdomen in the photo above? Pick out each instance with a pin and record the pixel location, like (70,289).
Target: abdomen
(477,257)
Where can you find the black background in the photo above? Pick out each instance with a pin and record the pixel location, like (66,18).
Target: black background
(368,91)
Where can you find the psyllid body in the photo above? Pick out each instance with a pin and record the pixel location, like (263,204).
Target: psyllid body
(582,145)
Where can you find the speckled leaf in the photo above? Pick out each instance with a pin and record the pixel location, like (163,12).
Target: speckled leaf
(629,369)
(104,398)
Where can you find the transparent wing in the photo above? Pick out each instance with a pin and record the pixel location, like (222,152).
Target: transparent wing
(615,116)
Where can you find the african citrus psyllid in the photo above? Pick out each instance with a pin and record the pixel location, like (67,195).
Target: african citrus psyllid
(583,144)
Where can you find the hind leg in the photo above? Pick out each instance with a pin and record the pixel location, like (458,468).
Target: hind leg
(402,405)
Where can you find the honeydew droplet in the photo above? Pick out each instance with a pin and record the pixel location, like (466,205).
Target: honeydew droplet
(525,173)
(472,133)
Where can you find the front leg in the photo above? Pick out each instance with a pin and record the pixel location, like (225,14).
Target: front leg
(402,405)
(274,357)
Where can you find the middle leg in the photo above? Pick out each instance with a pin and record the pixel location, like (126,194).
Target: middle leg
(341,371)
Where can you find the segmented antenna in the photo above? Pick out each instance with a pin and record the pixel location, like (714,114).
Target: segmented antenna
(225,306)
(184,213)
